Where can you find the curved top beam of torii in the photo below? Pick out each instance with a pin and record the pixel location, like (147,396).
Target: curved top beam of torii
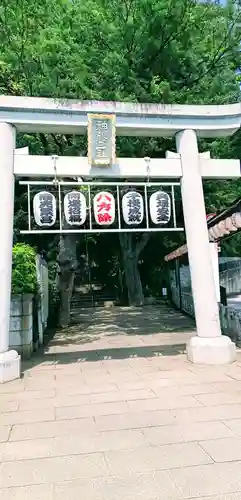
(36,114)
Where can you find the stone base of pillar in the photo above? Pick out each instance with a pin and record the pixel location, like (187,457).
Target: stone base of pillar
(211,351)
(10,364)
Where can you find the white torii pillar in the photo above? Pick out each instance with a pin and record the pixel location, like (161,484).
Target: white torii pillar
(209,346)
(215,266)
(9,360)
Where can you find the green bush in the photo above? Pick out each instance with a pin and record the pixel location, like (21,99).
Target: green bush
(24,278)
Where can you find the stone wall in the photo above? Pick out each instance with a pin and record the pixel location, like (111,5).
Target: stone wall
(21,324)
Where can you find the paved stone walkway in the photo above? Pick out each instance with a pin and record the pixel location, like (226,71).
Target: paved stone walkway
(117,413)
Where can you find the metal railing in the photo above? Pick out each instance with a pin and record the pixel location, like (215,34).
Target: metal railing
(183,301)
(231,279)
(230,318)
(43,305)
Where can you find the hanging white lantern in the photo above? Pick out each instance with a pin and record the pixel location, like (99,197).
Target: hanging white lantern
(133,208)
(229,224)
(236,220)
(223,230)
(75,208)
(104,208)
(212,236)
(160,207)
(216,231)
(44,209)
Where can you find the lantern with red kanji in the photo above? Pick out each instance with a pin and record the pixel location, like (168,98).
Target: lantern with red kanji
(104,208)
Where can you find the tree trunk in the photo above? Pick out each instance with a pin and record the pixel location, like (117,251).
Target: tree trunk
(131,251)
(133,280)
(67,266)
(66,288)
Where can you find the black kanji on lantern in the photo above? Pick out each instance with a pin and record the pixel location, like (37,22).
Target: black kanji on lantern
(46,208)
(162,208)
(134,207)
(74,207)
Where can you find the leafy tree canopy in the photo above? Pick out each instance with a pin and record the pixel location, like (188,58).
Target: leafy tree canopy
(163,51)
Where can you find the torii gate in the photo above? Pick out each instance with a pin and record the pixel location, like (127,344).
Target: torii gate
(186,123)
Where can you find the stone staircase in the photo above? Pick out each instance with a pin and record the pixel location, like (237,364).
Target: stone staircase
(84,297)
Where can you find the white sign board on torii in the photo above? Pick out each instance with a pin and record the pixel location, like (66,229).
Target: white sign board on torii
(186,123)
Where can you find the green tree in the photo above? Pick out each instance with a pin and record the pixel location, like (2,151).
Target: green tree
(24,275)
(163,51)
